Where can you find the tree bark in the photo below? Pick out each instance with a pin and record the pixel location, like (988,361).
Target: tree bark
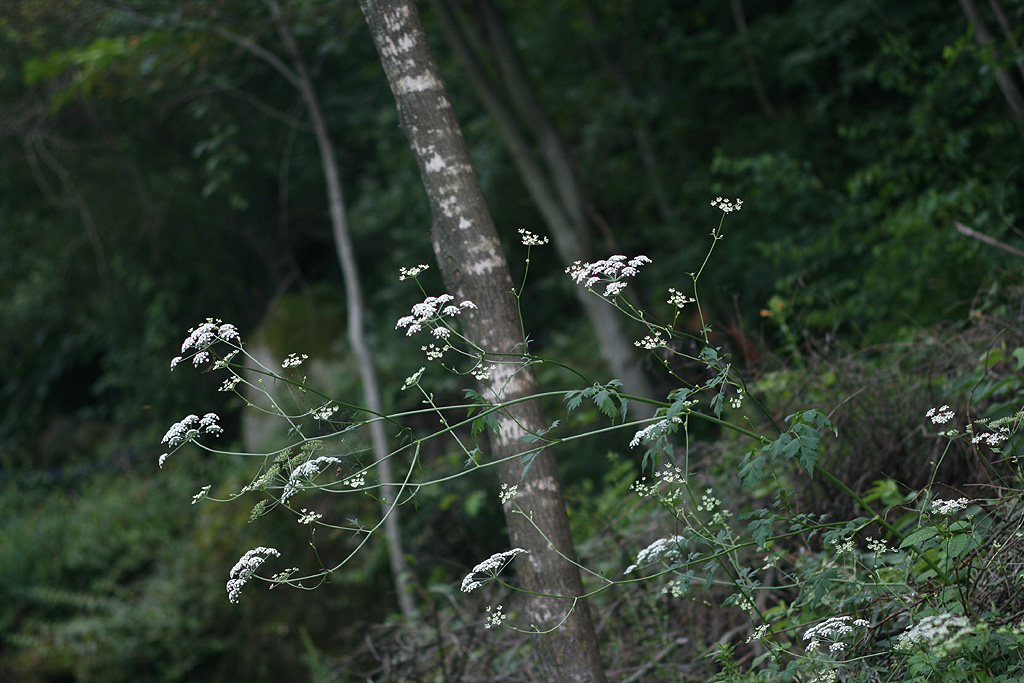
(473,266)
(1011,91)
(550,177)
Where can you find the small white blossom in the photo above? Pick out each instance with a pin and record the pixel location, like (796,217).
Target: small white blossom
(948,507)
(678,299)
(404,273)
(992,439)
(879,547)
(356,480)
(304,474)
(612,271)
(759,633)
(507,493)
(490,568)
(665,549)
(737,400)
(726,205)
(494,618)
(613,289)
(708,502)
(531,240)
(653,431)
(201,338)
(294,360)
(931,629)
(651,341)
(201,495)
(325,412)
(832,629)
(441,332)
(245,568)
(189,429)
(433,353)
(429,312)
(308,517)
(230,383)
(413,379)
(482,372)
(940,415)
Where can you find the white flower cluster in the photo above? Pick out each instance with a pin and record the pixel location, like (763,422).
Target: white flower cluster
(948,507)
(433,352)
(930,629)
(737,400)
(308,517)
(531,240)
(201,338)
(832,629)
(708,501)
(612,271)
(189,429)
(727,205)
(482,371)
(490,568)
(413,379)
(294,360)
(429,312)
(662,549)
(324,412)
(651,341)
(245,568)
(305,474)
(203,492)
(405,273)
(879,547)
(940,415)
(992,439)
(507,493)
(494,618)
(678,299)
(653,431)
(230,383)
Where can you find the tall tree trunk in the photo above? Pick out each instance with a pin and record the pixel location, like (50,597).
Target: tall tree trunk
(298,76)
(550,176)
(1010,89)
(473,267)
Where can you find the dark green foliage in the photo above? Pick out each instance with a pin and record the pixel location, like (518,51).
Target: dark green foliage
(153,173)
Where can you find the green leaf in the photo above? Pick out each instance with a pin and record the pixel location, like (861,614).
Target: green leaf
(920,536)
(752,468)
(961,544)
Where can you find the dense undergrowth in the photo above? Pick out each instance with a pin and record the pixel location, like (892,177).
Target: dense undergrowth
(904,567)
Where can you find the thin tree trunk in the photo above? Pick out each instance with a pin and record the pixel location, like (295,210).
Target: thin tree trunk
(1011,91)
(355,306)
(554,185)
(473,267)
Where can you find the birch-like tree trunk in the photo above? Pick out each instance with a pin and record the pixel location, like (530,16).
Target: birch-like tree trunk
(298,75)
(473,267)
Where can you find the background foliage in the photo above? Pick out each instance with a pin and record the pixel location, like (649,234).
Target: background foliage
(153,173)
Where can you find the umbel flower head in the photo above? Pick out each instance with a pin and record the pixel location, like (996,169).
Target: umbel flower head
(245,568)
(189,429)
(201,338)
(489,568)
(612,272)
(431,312)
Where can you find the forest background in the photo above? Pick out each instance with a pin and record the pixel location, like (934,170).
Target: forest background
(157,169)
